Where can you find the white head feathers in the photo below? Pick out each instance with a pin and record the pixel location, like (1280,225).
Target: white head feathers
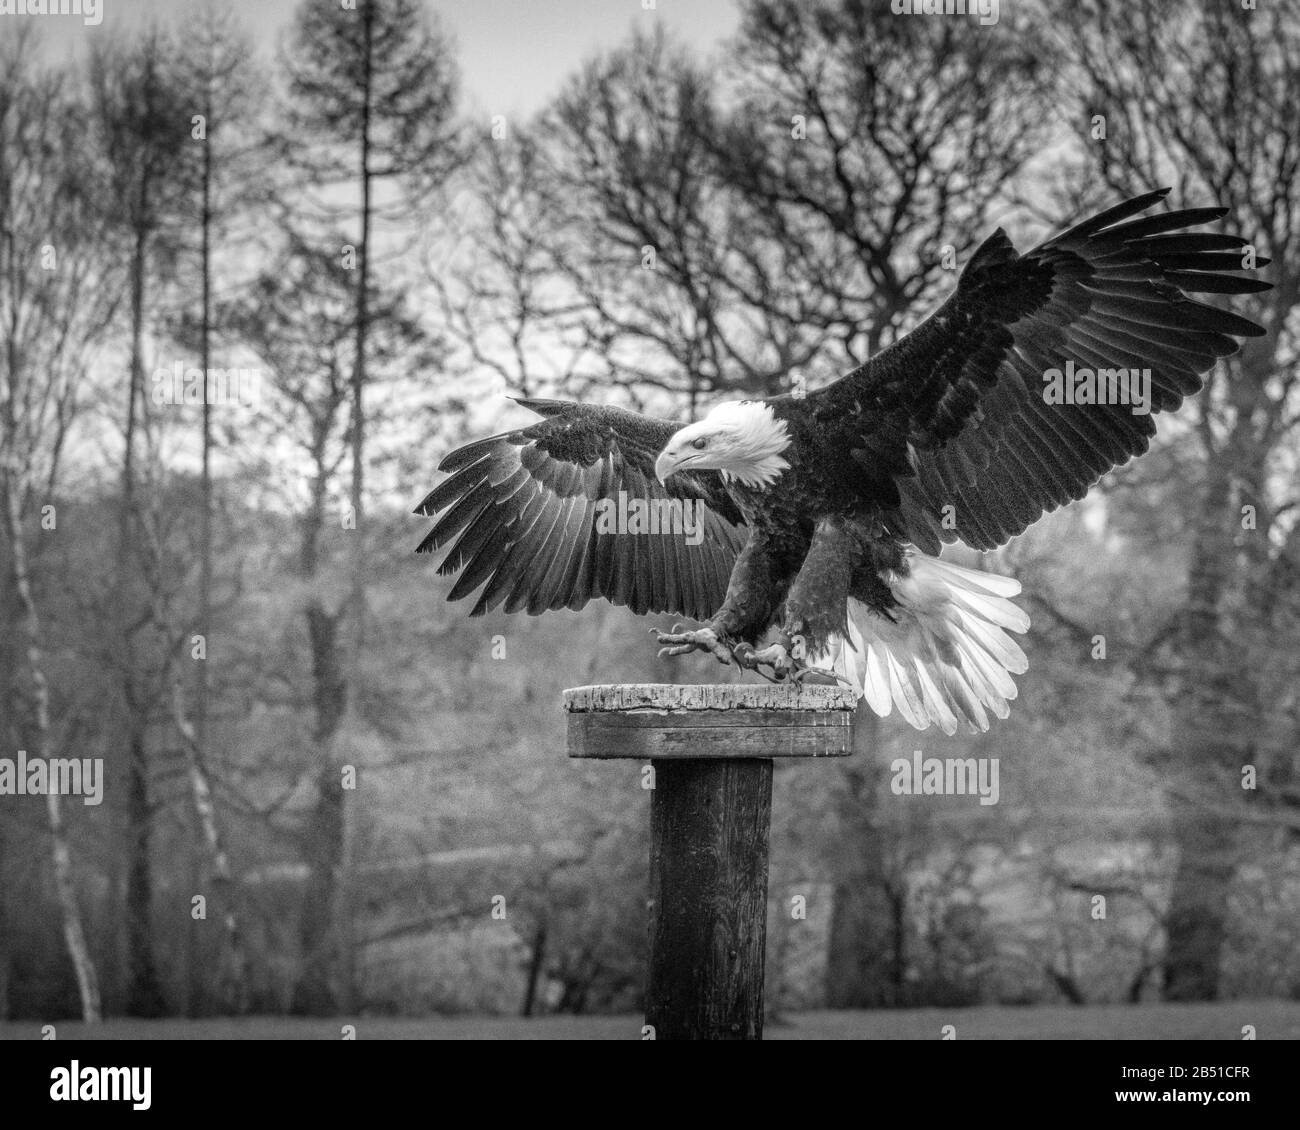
(743,439)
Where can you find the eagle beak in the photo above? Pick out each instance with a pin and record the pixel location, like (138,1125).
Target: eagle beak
(665,465)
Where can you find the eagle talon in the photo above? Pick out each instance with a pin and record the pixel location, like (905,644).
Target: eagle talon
(701,639)
(785,666)
(750,659)
(776,657)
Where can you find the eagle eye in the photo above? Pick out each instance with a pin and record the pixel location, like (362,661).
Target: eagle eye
(700,444)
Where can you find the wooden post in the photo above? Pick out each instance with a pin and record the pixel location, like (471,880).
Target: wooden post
(711,751)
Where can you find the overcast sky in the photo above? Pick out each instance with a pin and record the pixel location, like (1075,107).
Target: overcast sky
(514,54)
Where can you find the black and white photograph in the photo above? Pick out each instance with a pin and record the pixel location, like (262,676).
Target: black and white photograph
(637,520)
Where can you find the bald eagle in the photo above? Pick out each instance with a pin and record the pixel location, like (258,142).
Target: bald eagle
(822,516)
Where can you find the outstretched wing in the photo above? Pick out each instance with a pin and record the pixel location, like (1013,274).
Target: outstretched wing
(524,508)
(954,413)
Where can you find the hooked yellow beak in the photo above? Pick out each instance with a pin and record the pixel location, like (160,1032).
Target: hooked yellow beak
(665,465)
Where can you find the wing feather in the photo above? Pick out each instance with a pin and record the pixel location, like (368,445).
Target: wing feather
(968,383)
(519,511)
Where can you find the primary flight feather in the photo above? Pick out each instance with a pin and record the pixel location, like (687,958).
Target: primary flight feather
(822,516)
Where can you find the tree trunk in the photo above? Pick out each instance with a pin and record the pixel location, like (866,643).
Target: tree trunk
(1211,741)
(359,361)
(322,986)
(196,741)
(233,977)
(329,946)
(30,631)
(860,953)
(1196,924)
(73,933)
(233,974)
(144,995)
(535,964)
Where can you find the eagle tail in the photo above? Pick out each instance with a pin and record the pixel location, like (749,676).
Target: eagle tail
(947,658)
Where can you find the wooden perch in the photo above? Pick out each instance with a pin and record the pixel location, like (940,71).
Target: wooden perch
(711,750)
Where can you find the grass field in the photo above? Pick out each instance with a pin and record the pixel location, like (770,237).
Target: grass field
(1273,1020)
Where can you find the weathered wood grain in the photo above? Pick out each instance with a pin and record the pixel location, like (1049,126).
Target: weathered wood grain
(603,736)
(654,720)
(708,696)
(708,909)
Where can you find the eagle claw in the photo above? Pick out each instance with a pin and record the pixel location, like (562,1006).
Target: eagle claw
(784,666)
(775,657)
(701,639)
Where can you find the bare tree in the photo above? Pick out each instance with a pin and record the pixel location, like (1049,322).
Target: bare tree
(1203,98)
(490,262)
(58,287)
(667,287)
(875,150)
(142,144)
(223,86)
(372,92)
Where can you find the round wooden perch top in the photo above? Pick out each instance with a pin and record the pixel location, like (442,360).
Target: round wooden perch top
(738,720)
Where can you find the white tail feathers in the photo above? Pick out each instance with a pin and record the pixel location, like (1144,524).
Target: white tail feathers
(946,658)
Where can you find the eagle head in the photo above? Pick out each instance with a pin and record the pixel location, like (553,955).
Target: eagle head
(742,439)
